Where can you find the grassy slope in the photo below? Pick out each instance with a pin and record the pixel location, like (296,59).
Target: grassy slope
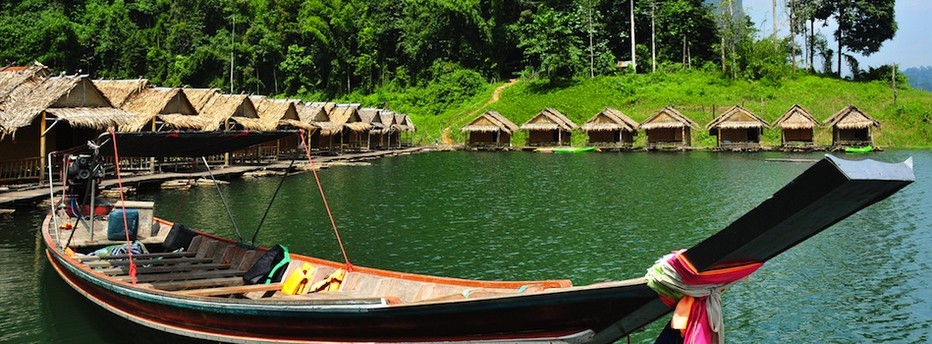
(909,125)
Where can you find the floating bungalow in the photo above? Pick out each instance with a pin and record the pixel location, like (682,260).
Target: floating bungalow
(156,108)
(401,127)
(377,129)
(318,115)
(40,113)
(231,112)
(549,128)
(851,127)
(354,133)
(737,128)
(797,127)
(490,129)
(392,135)
(668,128)
(281,114)
(610,128)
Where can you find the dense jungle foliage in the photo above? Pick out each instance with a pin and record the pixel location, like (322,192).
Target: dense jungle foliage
(440,58)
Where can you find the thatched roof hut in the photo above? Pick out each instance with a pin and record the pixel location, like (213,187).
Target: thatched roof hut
(119,91)
(610,127)
(668,127)
(489,129)
(326,106)
(737,126)
(851,127)
(279,113)
(549,127)
(73,99)
(199,97)
(355,132)
(380,133)
(347,115)
(401,123)
(317,115)
(388,120)
(373,117)
(12,77)
(150,104)
(409,123)
(796,125)
(224,111)
(79,110)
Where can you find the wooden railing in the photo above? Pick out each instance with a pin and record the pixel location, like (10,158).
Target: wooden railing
(28,169)
(131,164)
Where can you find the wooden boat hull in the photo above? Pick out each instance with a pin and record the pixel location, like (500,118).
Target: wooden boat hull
(573,314)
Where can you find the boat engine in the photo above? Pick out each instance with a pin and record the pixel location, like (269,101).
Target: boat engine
(84,175)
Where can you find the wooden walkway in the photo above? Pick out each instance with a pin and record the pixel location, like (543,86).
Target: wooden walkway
(32,195)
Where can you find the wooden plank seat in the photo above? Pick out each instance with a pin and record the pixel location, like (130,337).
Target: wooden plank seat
(338,295)
(184,276)
(139,256)
(198,283)
(168,269)
(231,290)
(148,262)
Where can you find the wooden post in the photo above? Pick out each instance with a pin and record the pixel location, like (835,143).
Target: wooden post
(152,160)
(42,162)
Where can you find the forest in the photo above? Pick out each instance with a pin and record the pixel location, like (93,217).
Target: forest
(446,49)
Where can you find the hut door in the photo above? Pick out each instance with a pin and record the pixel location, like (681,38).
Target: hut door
(753,135)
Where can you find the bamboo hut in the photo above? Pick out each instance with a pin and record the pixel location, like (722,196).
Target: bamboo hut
(402,126)
(281,114)
(549,128)
(796,127)
(610,128)
(668,128)
(156,108)
(199,97)
(378,130)
(737,128)
(318,115)
(392,134)
(490,129)
(39,114)
(355,132)
(851,127)
(231,112)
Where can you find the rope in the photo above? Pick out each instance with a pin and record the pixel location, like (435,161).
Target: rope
(129,245)
(275,195)
(223,200)
(696,295)
(307,151)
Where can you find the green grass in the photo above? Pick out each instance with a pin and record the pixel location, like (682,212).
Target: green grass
(700,96)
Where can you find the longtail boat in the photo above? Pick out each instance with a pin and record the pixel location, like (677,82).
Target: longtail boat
(196,284)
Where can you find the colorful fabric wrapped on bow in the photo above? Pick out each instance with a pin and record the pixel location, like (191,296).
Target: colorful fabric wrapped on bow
(696,295)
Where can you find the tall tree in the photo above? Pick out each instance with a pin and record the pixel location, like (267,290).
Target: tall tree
(550,43)
(863,25)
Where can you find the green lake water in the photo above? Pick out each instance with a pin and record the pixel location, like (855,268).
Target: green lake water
(517,215)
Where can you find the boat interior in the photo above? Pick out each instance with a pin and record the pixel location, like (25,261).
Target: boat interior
(202,265)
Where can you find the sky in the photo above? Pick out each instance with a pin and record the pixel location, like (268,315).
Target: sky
(910,47)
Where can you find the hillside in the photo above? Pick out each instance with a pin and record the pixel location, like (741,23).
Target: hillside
(701,97)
